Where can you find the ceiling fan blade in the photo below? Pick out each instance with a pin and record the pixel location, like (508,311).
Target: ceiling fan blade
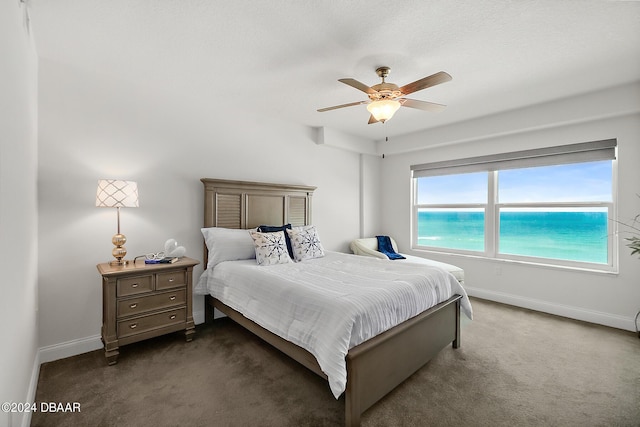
(422,105)
(358,85)
(372,120)
(432,80)
(335,107)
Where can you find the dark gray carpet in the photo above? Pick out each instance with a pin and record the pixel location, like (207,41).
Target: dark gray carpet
(516,367)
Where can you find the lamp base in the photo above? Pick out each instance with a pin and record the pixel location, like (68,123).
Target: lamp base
(119,252)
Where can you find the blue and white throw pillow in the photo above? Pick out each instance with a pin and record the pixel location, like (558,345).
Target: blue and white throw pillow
(271,248)
(305,243)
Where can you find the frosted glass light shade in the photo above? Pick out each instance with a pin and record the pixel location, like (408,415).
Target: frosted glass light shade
(113,193)
(383,110)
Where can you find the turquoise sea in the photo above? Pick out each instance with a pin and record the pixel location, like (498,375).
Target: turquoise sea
(576,236)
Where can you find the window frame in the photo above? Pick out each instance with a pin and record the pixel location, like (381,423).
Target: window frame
(492,210)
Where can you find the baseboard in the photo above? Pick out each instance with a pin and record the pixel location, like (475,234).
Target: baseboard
(577,313)
(31,392)
(85,345)
(70,348)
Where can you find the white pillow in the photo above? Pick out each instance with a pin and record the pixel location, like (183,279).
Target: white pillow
(227,244)
(270,248)
(305,243)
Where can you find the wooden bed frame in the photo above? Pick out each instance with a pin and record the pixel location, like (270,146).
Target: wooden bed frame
(375,367)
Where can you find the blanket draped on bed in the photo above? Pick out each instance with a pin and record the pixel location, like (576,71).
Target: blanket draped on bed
(385,246)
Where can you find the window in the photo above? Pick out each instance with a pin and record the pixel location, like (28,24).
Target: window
(451,211)
(549,205)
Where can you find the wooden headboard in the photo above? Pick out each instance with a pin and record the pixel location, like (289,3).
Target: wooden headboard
(245,204)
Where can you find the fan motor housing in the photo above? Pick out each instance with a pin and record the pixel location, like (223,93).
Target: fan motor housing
(385,91)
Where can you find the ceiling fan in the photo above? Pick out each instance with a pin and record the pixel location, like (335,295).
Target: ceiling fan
(385,98)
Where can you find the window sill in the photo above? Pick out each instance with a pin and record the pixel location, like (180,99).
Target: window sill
(605,270)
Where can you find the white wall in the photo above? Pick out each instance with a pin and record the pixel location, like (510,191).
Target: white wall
(603,298)
(18,212)
(371,196)
(92,126)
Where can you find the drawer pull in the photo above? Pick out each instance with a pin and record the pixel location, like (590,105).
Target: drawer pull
(172,298)
(173,316)
(171,279)
(133,325)
(134,285)
(134,305)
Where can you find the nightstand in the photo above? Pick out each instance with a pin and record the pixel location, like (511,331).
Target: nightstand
(141,301)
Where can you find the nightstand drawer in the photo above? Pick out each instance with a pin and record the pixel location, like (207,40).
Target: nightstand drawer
(151,302)
(134,285)
(153,321)
(171,279)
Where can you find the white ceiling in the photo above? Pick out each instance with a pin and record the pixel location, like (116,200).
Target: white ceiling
(285,56)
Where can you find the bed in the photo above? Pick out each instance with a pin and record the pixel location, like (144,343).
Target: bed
(372,367)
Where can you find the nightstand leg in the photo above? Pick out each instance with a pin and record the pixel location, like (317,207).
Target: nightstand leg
(111,351)
(112,356)
(189,333)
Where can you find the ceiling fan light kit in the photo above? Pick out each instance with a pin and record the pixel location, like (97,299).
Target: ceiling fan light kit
(386,98)
(383,110)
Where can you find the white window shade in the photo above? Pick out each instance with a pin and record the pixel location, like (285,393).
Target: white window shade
(572,153)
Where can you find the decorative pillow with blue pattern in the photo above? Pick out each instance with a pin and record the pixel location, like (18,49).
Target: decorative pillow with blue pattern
(305,243)
(271,248)
(274,228)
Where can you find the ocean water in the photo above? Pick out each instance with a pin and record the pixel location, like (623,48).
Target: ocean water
(575,236)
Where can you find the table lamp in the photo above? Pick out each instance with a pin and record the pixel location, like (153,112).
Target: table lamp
(113,193)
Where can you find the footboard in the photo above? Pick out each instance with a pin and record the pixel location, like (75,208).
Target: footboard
(377,366)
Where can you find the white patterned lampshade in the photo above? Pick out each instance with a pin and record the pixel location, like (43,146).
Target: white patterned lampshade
(113,193)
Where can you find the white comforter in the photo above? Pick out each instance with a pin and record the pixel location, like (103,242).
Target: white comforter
(328,305)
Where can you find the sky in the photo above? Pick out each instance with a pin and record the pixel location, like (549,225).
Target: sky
(577,182)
